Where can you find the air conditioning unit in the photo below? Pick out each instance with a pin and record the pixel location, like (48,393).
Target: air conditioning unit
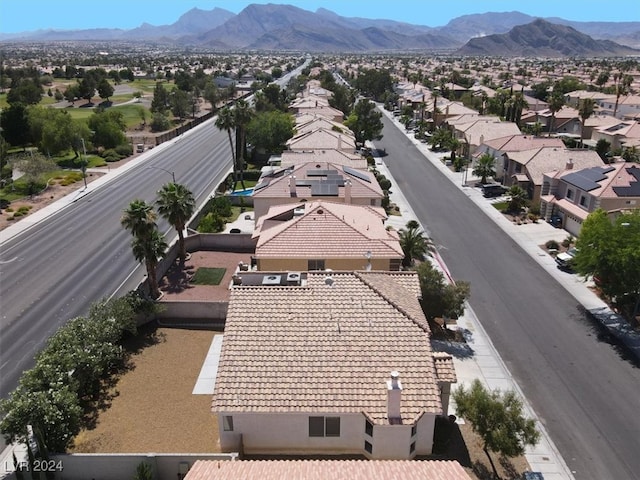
(293,278)
(298,212)
(271,279)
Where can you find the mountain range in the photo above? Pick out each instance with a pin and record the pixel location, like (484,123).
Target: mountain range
(285,27)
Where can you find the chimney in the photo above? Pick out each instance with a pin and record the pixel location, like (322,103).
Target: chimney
(292,185)
(394,393)
(569,165)
(347,192)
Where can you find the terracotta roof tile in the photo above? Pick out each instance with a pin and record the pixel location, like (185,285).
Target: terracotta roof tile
(327,469)
(327,348)
(445,370)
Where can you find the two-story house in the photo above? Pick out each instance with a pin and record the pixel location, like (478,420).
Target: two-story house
(573,194)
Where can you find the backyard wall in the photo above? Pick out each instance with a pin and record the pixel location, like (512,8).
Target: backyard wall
(116,466)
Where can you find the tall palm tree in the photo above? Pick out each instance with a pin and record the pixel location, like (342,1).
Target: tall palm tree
(225,121)
(485,168)
(414,243)
(585,110)
(242,115)
(149,250)
(176,204)
(148,245)
(556,102)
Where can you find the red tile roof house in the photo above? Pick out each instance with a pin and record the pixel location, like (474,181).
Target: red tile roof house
(472,131)
(319,235)
(327,469)
(316,181)
(305,124)
(322,139)
(526,168)
(341,364)
(619,134)
(291,158)
(572,195)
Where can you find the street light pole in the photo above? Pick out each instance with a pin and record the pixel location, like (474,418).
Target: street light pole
(173,175)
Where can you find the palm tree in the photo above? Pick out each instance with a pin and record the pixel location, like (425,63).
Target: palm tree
(225,122)
(517,198)
(176,204)
(242,115)
(149,250)
(556,102)
(414,243)
(585,110)
(484,168)
(140,219)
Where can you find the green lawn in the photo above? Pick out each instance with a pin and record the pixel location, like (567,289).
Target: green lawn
(131,113)
(208,276)
(500,206)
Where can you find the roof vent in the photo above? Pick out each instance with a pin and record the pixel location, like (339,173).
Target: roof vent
(271,279)
(293,278)
(328,280)
(298,211)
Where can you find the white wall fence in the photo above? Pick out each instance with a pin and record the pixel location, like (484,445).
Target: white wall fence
(122,466)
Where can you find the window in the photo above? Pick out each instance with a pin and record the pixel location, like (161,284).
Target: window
(372,202)
(518,168)
(227,423)
(394,264)
(324,426)
(583,200)
(368,447)
(368,429)
(315,265)
(569,194)
(412,448)
(414,430)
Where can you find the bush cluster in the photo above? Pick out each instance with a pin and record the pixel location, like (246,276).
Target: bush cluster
(214,215)
(69,373)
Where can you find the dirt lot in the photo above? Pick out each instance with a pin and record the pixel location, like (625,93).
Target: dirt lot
(153,409)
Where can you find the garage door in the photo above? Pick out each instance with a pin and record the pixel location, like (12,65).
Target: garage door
(572,225)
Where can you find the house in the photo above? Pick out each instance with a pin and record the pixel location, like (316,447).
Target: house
(316,181)
(310,101)
(290,158)
(323,139)
(628,106)
(500,148)
(526,168)
(572,195)
(317,123)
(565,121)
(618,134)
(327,469)
(318,235)
(317,109)
(474,131)
(339,363)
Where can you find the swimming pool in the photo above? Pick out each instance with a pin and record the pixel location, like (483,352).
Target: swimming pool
(242,193)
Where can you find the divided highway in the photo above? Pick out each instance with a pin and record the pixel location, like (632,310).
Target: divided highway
(55,270)
(584,392)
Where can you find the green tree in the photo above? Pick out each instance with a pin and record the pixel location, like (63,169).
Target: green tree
(342,99)
(87,88)
(374,82)
(159,122)
(27,91)
(414,243)
(485,167)
(517,198)
(270,130)
(242,115)
(108,128)
(147,244)
(225,122)
(602,149)
(180,103)
(15,125)
(556,102)
(365,122)
(176,204)
(497,418)
(160,102)
(34,165)
(105,89)
(211,94)
(585,110)
(440,298)
(611,251)
(623,84)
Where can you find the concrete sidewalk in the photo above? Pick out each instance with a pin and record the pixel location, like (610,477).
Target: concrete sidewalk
(478,358)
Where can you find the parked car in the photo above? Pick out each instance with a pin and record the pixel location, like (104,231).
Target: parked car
(493,190)
(555,221)
(565,259)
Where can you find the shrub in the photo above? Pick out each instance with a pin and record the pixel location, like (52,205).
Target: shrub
(552,245)
(124,149)
(535,208)
(159,122)
(211,223)
(567,242)
(111,155)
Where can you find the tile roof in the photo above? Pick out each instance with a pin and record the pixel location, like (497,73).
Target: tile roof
(326,230)
(327,469)
(333,156)
(322,138)
(279,186)
(516,143)
(547,159)
(327,347)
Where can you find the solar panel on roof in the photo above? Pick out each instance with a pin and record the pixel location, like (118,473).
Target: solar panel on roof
(633,190)
(356,173)
(586,179)
(321,173)
(324,189)
(262,184)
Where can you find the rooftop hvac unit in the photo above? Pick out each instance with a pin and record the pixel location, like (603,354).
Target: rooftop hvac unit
(271,279)
(298,212)
(293,278)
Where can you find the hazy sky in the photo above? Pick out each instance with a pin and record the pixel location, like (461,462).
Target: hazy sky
(26,15)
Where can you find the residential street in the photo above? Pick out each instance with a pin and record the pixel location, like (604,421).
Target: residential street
(59,267)
(581,388)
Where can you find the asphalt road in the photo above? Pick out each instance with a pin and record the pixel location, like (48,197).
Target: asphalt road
(58,268)
(582,388)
